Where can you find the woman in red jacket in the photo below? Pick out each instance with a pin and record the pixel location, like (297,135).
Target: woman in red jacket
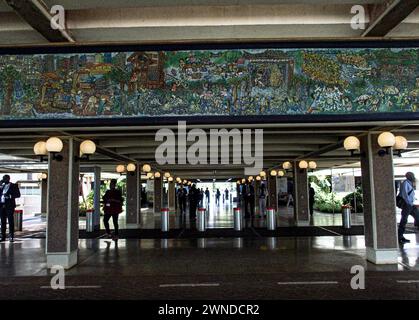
(112,207)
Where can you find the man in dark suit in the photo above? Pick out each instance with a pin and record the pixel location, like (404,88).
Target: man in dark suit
(249,200)
(8,193)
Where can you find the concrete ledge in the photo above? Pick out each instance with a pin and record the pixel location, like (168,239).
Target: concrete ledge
(66,260)
(382,256)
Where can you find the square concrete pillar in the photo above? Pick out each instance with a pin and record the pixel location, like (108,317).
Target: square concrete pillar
(301,199)
(63,207)
(272,193)
(379,203)
(44,196)
(172,196)
(96,198)
(158,194)
(133,201)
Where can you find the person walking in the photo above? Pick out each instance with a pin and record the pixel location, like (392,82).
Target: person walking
(201,197)
(311,194)
(207,196)
(407,194)
(217,196)
(249,200)
(8,193)
(193,202)
(112,207)
(226,192)
(182,195)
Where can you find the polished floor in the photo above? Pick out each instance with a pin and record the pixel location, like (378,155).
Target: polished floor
(240,268)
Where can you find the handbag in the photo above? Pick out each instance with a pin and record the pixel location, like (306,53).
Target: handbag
(400,203)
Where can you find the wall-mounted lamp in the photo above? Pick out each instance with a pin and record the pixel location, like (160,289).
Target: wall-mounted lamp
(54,146)
(42,176)
(386,140)
(258,178)
(157,175)
(352,144)
(287,166)
(281,173)
(312,165)
(146,168)
(131,167)
(262,174)
(120,169)
(303,165)
(87,148)
(401,144)
(40,150)
(273,173)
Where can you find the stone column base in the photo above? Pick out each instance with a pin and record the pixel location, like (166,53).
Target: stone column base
(302,223)
(66,260)
(382,256)
(132,226)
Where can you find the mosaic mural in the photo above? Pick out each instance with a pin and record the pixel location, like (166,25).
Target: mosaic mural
(209,82)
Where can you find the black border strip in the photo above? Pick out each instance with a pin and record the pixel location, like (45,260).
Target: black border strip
(209,119)
(277,44)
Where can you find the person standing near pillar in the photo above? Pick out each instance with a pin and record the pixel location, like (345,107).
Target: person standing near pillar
(407,193)
(8,193)
(182,195)
(113,202)
(311,194)
(249,200)
(207,196)
(217,196)
(193,202)
(262,199)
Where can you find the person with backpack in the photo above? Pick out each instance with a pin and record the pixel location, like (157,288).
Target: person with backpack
(405,201)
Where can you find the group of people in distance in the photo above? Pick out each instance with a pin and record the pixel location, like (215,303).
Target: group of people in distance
(197,198)
(113,203)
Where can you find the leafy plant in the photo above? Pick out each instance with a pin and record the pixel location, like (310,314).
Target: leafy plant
(353,197)
(324,199)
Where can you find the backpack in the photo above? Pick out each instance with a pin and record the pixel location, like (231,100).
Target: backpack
(400,203)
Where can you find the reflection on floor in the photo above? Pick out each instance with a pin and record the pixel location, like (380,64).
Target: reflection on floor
(242,268)
(26,257)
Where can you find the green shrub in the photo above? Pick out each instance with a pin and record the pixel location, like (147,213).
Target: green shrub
(324,199)
(350,200)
